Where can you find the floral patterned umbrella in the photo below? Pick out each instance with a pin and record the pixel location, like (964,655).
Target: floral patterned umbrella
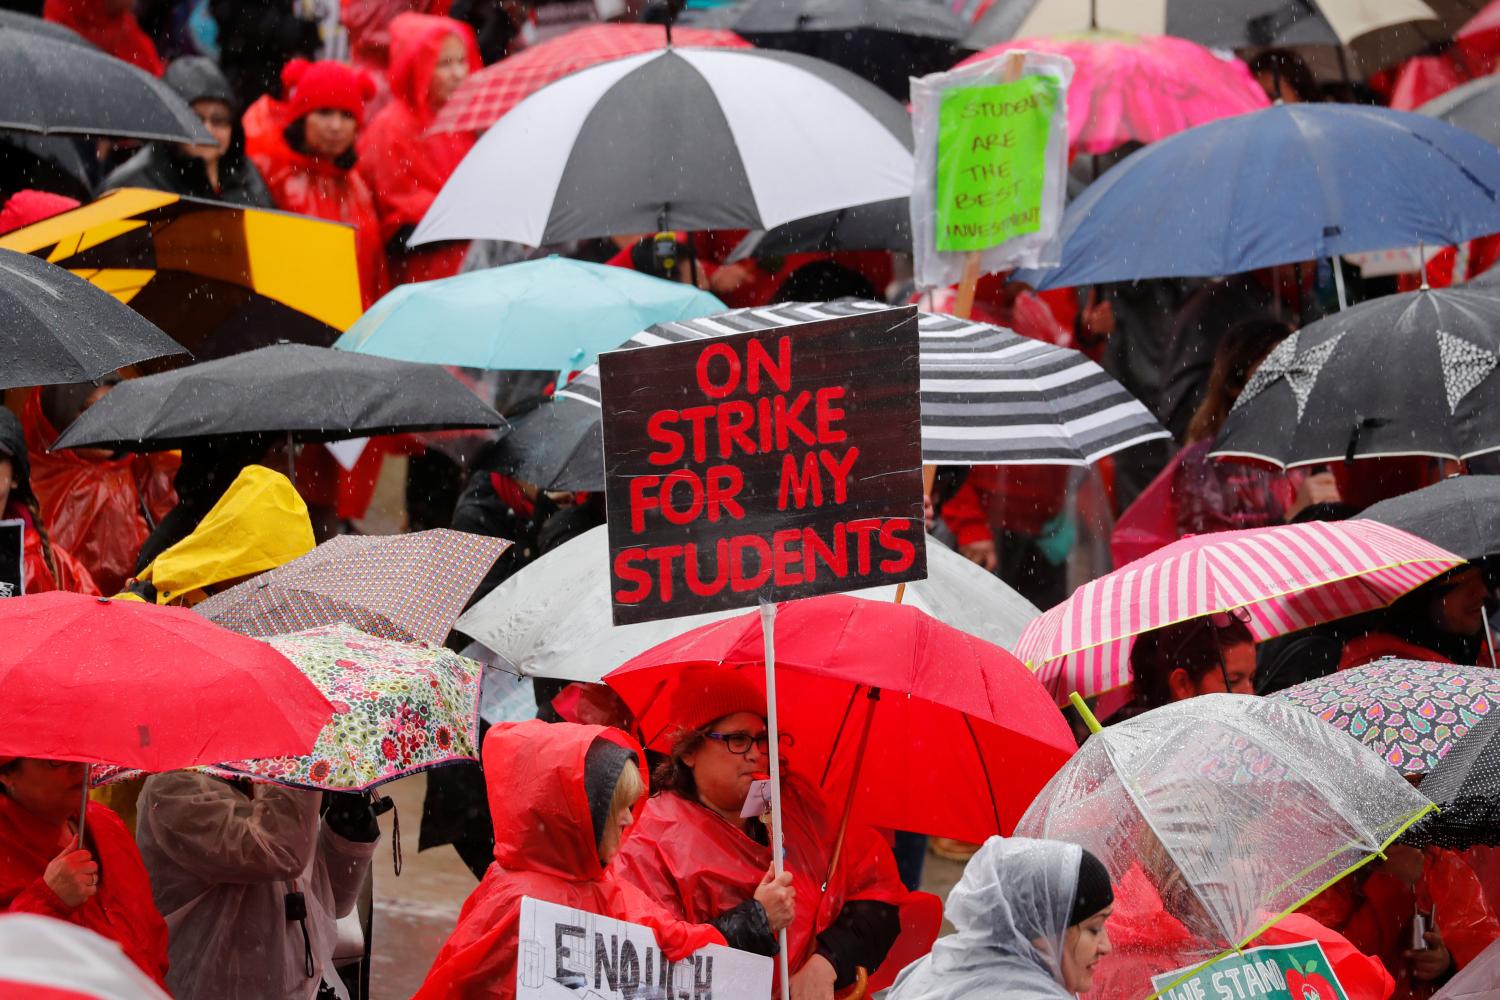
(399,708)
(1411,711)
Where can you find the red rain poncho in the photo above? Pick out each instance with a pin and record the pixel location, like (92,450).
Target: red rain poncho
(69,574)
(313,185)
(93,506)
(545,849)
(1146,939)
(121,910)
(116,32)
(403,165)
(699,865)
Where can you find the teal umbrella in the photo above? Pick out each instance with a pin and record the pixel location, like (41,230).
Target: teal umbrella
(552,314)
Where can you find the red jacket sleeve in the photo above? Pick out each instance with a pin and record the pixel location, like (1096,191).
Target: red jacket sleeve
(39,898)
(1459,909)
(967,512)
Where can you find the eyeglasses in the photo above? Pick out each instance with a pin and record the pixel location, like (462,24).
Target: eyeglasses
(739,742)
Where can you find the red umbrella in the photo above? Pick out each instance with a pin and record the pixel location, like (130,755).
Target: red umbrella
(483,97)
(958,735)
(137,685)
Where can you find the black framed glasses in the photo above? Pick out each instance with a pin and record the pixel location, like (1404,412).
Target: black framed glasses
(739,742)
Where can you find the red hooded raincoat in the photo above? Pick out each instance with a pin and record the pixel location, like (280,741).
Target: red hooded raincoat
(545,849)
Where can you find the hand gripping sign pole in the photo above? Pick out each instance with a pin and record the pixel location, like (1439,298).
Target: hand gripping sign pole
(768,629)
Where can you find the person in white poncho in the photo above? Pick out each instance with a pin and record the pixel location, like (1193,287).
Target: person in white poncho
(252,881)
(1030,917)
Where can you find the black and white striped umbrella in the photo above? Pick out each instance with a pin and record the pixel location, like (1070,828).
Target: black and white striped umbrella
(989,396)
(682,138)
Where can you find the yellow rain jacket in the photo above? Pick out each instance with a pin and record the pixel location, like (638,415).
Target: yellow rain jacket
(259,523)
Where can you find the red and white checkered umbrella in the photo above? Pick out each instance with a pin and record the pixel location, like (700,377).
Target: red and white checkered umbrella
(482,98)
(1288,577)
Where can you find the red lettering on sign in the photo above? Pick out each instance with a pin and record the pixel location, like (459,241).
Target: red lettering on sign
(706,357)
(839,470)
(664,555)
(835,557)
(669,509)
(738,578)
(786,546)
(789,420)
(758,359)
(670,440)
(638,578)
(736,417)
(724,484)
(893,536)
(694,571)
(800,482)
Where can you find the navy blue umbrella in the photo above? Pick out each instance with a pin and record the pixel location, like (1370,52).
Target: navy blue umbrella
(1290,183)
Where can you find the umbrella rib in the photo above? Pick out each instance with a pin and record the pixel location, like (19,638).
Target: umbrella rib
(988,783)
(828,766)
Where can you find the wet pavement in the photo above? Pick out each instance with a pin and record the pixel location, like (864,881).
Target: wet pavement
(415,911)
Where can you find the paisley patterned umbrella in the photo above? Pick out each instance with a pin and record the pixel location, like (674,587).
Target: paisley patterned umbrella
(399,708)
(1410,711)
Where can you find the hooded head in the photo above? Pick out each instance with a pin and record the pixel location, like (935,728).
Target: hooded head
(1012,910)
(259,523)
(198,78)
(13,450)
(543,785)
(314,86)
(417,42)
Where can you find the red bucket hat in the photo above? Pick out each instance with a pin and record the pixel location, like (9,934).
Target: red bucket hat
(312,86)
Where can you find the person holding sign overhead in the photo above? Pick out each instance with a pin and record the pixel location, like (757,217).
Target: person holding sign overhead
(561,798)
(696,851)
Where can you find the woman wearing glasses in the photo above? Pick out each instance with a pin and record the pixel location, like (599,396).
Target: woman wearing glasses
(698,857)
(1207,655)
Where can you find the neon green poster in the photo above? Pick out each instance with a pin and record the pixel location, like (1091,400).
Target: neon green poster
(991,162)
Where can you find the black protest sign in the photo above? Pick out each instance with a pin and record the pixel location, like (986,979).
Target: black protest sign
(12,558)
(778,463)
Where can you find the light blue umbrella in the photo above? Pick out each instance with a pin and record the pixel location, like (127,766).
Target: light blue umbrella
(1291,183)
(552,314)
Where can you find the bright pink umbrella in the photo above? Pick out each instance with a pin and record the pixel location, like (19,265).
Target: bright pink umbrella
(482,98)
(1141,88)
(1288,577)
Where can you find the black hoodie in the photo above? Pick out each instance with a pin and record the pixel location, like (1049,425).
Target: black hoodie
(165,167)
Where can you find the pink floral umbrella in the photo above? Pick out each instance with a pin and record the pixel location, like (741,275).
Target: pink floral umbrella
(1141,88)
(1287,577)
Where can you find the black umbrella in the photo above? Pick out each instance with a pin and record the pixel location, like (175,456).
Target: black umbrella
(885,41)
(1461,514)
(1402,375)
(1466,787)
(881,225)
(557,446)
(307,393)
(55,327)
(43,163)
(59,86)
(1474,107)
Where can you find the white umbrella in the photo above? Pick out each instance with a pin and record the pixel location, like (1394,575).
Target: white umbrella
(43,956)
(678,139)
(552,619)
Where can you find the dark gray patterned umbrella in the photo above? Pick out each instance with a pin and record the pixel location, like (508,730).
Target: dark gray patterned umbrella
(1407,374)
(1466,787)
(402,587)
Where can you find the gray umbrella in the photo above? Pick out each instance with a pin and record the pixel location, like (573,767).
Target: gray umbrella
(307,393)
(881,225)
(1474,107)
(55,327)
(54,85)
(1461,514)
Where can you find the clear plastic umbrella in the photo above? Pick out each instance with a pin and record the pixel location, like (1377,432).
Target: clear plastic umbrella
(1217,816)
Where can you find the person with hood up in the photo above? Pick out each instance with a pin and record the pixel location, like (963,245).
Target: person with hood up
(259,523)
(405,165)
(99,505)
(694,853)
(101,886)
(305,150)
(1030,917)
(109,24)
(252,881)
(561,796)
(221,172)
(45,566)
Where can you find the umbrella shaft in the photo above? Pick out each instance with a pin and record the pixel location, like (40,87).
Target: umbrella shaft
(83,806)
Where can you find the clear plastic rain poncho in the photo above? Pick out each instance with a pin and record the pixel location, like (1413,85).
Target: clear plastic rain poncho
(1214,816)
(1014,892)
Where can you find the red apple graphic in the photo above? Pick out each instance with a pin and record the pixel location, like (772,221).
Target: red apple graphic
(1304,983)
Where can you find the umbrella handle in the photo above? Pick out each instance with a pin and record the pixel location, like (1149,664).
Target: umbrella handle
(83,806)
(857,989)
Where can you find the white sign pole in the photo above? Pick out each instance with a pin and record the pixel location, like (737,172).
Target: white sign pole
(768,629)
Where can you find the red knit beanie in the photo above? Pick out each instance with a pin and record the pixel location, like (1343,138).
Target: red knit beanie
(313,86)
(705,694)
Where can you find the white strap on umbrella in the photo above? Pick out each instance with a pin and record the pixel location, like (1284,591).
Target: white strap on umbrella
(768,629)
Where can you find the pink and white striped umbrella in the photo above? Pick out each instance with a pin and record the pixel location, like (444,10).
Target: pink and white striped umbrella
(1288,577)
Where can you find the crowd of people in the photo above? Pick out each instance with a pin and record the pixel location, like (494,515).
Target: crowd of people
(218,888)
